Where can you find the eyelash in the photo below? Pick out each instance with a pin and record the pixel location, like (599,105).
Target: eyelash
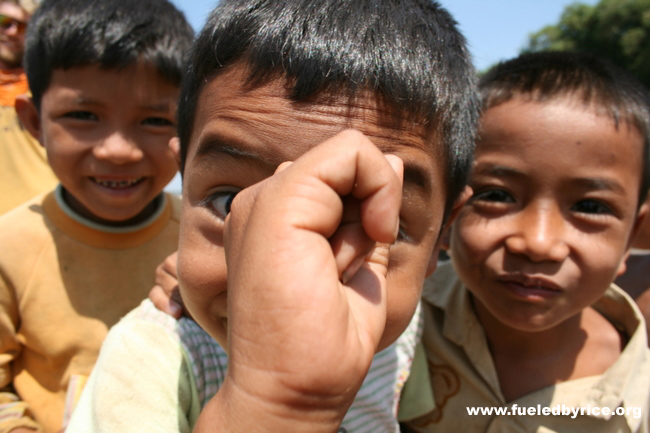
(158,122)
(603,209)
(81,115)
(493,196)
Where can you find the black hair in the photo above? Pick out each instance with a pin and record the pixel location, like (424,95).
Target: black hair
(596,82)
(110,33)
(408,53)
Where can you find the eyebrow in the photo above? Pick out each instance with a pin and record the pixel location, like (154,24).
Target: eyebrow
(599,183)
(217,147)
(586,183)
(161,106)
(497,171)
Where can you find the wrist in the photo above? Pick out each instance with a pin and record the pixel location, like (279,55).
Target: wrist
(233,409)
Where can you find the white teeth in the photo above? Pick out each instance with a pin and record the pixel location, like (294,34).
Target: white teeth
(118,183)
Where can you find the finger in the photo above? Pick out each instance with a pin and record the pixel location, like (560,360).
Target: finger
(349,164)
(237,222)
(382,208)
(283,166)
(350,243)
(367,296)
(350,246)
(165,303)
(169,265)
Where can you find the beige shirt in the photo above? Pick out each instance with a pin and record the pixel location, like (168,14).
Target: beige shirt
(461,374)
(24,171)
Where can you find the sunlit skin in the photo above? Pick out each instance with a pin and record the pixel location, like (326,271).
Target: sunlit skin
(553,211)
(106,133)
(241,136)
(12,41)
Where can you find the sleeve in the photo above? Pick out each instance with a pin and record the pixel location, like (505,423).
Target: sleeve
(13,412)
(140,383)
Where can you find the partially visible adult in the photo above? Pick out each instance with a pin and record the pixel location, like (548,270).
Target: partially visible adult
(24,171)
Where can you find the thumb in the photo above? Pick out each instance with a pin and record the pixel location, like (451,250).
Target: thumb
(367,297)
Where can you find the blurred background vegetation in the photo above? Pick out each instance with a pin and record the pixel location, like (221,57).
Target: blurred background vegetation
(618,30)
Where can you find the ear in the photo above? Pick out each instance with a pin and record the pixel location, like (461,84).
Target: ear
(175,146)
(444,236)
(29,116)
(641,217)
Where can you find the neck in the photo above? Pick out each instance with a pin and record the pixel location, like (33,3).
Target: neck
(503,339)
(582,345)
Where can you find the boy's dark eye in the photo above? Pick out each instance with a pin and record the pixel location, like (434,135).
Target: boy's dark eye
(81,115)
(157,121)
(493,195)
(220,202)
(591,207)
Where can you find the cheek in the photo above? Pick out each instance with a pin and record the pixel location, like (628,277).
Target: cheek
(468,242)
(202,274)
(600,264)
(166,167)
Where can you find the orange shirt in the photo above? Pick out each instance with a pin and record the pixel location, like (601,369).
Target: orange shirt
(13,82)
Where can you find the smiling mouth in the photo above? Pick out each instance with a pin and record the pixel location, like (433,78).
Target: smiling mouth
(527,287)
(118,184)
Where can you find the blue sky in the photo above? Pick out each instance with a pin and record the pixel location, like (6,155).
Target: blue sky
(495,29)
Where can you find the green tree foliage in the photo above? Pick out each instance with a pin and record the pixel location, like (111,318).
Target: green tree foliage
(615,29)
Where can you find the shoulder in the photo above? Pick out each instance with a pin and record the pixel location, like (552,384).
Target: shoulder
(186,342)
(29,217)
(141,380)
(438,287)
(613,326)
(24,231)
(145,332)
(621,312)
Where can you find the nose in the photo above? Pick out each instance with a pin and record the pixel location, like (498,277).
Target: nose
(118,148)
(539,234)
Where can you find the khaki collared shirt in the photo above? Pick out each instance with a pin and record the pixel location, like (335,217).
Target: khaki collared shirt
(458,374)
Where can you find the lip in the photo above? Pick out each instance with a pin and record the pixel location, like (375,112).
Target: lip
(529,287)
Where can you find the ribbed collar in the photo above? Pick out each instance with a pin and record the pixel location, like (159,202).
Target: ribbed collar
(103,236)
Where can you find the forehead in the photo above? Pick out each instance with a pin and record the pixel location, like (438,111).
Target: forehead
(13,11)
(563,134)
(262,121)
(135,85)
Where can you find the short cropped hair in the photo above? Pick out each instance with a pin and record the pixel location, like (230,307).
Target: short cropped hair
(110,33)
(597,83)
(409,53)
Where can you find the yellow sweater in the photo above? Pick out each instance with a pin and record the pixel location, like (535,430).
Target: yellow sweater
(62,286)
(24,171)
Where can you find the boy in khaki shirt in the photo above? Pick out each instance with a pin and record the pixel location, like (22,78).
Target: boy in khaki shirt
(528,319)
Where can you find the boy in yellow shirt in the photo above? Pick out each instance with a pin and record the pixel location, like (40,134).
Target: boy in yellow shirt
(104,77)
(524,330)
